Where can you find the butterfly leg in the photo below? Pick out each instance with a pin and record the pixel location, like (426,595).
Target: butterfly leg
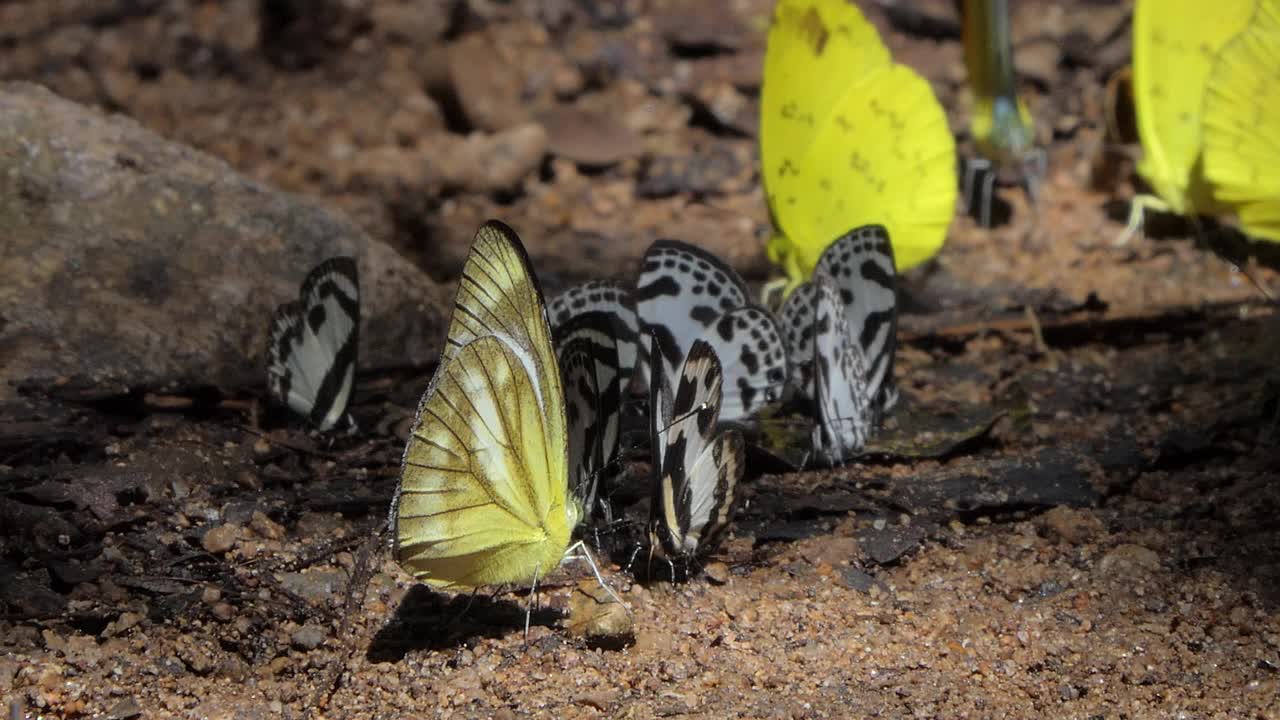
(528,608)
(1035,167)
(1137,210)
(580,547)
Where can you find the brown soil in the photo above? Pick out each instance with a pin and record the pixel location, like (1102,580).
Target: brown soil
(1078,520)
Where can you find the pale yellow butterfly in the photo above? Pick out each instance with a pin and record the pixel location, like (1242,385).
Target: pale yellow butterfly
(483,496)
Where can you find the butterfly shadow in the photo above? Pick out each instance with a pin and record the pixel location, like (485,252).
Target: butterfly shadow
(430,620)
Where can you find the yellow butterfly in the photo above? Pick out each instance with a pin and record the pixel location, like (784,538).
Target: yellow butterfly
(483,496)
(848,138)
(1175,43)
(1001,124)
(1242,124)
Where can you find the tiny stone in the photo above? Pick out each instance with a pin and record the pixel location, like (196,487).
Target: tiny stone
(221,539)
(307,637)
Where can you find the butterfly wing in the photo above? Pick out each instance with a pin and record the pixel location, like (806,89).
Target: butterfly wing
(695,470)
(844,400)
(483,495)
(1174,46)
(886,155)
(748,342)
(680,292)
(796,318)
(312,356)
(1242,124)
(615,302)
(861,264)
(879,148)
(810,42)
(593,402)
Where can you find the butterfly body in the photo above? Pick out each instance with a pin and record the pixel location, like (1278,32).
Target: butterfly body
(1000,122)
(484,489)
(313,344)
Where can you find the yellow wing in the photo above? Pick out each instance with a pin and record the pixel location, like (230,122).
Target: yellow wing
(483,496)
(885,156)
(816,48)
(848,138)
(1242,124)
(1174,46)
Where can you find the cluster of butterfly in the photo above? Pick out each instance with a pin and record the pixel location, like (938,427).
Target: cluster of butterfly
(518,438)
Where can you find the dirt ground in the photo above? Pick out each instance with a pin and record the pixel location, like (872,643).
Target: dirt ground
(1072,514)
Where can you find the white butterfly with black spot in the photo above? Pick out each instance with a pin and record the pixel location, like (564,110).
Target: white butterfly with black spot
(314,339)
(614,302)
(587,350)
(841,330)
(684,294)
(696,463)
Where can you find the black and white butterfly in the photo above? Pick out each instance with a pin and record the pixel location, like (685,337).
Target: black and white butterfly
(312,356)
(696,463)
(841,331)
(614,302)
(684,294)
(587,350)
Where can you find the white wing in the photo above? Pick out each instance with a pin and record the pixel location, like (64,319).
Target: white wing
(748,342)
(796,318)
(845,414)
(696,469)
(861,264)
(615,302)
(314,340)
(680,292)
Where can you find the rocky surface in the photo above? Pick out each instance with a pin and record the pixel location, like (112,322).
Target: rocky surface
(135,262)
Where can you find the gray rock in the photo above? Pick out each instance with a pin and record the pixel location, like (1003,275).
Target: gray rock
(317,585)
(132,261)
(308,637)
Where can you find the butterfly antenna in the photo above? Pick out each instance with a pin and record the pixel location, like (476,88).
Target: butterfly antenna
(684,416)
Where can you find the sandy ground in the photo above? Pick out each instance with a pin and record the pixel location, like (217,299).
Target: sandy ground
(1072,514)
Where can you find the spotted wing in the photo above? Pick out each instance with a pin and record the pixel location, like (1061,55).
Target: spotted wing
(312,356)
(681,291)
(844,400)
(861,264)
(796,319)
(748,342)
